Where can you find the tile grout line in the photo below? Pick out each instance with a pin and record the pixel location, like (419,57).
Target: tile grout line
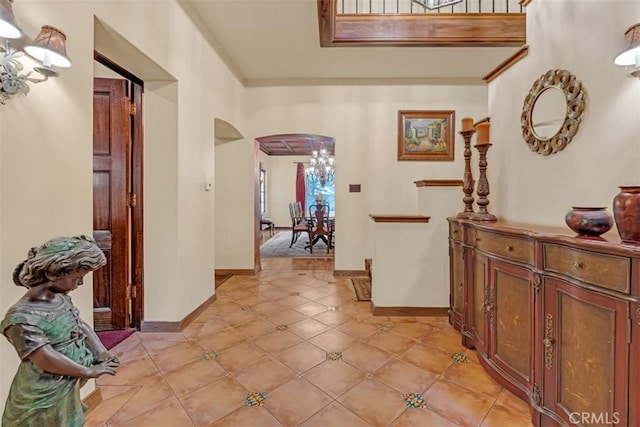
(354,316)
(165,381)
(127,401)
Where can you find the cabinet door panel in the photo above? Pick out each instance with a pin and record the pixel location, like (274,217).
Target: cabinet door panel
(457,278)
(512,320)
(634,366)
(585,353)
(479,298)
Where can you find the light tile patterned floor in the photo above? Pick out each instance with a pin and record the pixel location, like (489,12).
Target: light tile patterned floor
(234,367)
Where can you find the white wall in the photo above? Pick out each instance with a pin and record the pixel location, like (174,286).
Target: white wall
(46,153)
(363,121)
(437,202)
(234,205)
(281,186)
(160,194)
(411,261)
(582,37)
(401,271)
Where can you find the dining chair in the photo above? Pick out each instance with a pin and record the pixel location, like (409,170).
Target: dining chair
(298,221)
(320,226)
(267,224)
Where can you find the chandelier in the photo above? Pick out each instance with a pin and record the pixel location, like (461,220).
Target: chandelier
(321,167)
(435,4)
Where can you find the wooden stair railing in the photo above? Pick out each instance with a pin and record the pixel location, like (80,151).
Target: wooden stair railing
(432,29)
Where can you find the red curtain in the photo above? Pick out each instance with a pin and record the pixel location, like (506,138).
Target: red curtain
(301,191)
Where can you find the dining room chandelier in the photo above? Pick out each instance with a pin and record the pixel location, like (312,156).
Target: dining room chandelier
(322,167)
(436,4)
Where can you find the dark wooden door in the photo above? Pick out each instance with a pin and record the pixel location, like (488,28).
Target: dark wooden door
(585,355)
(111,133)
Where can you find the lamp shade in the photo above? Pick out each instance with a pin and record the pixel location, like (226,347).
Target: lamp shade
(8,27)
(49,47)
(631,53)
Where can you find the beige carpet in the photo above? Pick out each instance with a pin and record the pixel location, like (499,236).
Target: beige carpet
(278,246)
(362,286)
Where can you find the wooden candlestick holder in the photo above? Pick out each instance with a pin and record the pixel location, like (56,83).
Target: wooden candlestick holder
(483,186)
(467,178)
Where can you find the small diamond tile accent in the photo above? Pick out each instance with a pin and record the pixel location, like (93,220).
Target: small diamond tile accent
(209,355)
(459,357)
(255,399)
(414,400)
(334,355)
(302,374)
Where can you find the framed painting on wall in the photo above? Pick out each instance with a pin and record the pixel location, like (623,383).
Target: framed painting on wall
(426,135)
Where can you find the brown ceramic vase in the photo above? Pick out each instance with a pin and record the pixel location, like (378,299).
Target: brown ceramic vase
(588,221)
(626,211)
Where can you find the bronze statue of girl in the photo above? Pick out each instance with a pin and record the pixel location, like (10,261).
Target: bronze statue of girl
(59,351)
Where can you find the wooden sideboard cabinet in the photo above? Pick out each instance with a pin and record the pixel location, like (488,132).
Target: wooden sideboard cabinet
(554,318)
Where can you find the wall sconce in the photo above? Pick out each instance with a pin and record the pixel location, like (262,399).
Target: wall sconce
(630,56)
(48,47)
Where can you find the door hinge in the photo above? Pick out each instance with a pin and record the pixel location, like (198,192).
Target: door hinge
(132,199)
(132,108)
(132,291)
(628,330)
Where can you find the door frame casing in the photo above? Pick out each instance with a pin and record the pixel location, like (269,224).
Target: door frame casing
(137,210)
(257,215)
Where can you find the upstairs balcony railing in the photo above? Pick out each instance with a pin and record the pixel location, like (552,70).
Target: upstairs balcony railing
(345,7)
(407,23)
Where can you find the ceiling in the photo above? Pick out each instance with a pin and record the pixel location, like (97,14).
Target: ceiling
(276,42)
(295,144)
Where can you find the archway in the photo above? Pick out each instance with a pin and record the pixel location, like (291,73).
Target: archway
(298,146)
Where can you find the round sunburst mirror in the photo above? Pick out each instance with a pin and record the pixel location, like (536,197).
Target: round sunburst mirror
(552,112)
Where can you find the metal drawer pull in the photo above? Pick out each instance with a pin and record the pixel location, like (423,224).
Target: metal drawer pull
(578,265)
(547,342)
(509,248)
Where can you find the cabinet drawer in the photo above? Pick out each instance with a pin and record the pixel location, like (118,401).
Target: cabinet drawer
(609,271)
(506,246)
(455,231)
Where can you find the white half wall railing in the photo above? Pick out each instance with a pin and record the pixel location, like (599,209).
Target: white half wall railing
(392,7)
